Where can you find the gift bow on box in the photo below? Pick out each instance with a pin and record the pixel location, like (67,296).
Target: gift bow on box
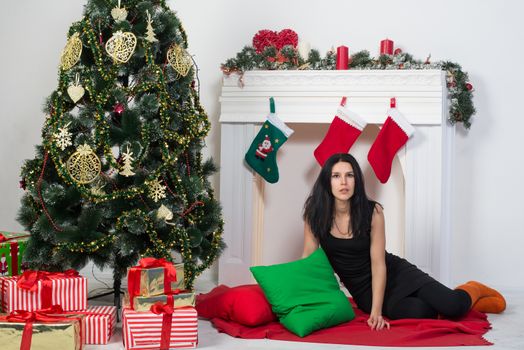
(48,315)
(30,278)
(166,310)
(133,277)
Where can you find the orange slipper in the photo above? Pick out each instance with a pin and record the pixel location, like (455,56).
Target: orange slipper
(493,305)
(472,290)
(485,291)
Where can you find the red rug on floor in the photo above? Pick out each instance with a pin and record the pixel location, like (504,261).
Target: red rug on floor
(408,332)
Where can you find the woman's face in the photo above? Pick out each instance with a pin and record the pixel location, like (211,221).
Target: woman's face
(342,181)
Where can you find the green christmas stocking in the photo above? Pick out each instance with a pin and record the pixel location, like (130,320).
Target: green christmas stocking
(262,154)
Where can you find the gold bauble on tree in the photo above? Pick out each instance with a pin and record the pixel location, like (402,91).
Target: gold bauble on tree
(179,59)
(121,46)
(71,52)
(84,165)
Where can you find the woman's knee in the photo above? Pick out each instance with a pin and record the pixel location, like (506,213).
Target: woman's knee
(456,306)
(411,307)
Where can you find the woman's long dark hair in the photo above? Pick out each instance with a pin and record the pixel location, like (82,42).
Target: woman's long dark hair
(319,207)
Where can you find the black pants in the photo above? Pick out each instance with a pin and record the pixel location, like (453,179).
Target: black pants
(429,301)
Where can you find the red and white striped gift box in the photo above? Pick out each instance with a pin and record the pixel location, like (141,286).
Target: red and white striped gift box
(68,292)
(99,324)
(142,330)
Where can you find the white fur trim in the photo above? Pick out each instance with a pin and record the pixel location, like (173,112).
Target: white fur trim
(401,121)
(277,122)
(351,118)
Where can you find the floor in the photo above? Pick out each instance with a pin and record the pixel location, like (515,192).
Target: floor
(507,333)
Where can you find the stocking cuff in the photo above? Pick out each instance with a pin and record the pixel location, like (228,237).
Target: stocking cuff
(401,121)
(351,118)
(277,122)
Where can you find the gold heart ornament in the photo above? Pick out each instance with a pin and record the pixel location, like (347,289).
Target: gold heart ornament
(121,46)
(71,52)
(179,59)
(75,92)
(119,14)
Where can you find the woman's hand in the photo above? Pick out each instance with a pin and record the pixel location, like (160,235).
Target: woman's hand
(377,322)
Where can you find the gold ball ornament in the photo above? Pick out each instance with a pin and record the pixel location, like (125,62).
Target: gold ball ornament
(71,52)
(84,165)
(179,59)
(121,46)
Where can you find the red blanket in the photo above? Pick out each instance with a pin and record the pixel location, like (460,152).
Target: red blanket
(408,332)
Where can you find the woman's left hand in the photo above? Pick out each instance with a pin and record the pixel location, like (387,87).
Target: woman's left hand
(377,322)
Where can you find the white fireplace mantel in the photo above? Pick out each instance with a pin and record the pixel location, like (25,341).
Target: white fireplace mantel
(313,97)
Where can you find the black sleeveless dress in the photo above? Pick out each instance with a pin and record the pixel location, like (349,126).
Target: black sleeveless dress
(351,260)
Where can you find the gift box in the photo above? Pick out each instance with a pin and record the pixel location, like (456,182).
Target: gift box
(12,246)
(141,303)
(179,283)
(24,330)
(35,290)
(99,324)
(154,277)
(144,330)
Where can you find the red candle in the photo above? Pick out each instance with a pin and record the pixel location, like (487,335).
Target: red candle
(386,47)
(342,57)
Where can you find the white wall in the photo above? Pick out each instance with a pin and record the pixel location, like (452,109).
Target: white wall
(485,37)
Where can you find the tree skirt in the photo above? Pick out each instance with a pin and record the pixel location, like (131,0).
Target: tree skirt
(469,330)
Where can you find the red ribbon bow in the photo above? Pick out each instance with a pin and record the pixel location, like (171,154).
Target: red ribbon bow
(47,315)
(166,310)
(30,278)
(133,277)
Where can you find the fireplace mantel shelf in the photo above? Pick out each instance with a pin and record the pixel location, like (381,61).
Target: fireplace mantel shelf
(313,97)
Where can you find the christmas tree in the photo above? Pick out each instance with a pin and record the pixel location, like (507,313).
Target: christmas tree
(119,174)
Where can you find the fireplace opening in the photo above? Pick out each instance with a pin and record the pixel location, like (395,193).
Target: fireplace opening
(281,232)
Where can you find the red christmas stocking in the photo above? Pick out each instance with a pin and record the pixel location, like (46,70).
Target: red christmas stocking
(342,133)
(394,134)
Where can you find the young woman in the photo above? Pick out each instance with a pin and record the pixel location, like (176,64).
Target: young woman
(350,228)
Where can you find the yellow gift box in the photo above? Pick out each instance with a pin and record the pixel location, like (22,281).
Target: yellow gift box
(47,332)
(151,279)
(141,303)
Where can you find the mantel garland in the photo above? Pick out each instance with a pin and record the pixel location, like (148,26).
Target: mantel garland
(268,56)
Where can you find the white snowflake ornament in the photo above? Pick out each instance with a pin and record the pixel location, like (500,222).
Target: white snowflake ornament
(63,137)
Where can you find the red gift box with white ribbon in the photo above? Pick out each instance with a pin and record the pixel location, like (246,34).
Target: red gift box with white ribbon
(36,290)
(147,330)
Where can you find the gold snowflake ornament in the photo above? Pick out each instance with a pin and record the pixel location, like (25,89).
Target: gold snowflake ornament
(63,137)
(84,165)
(157,191)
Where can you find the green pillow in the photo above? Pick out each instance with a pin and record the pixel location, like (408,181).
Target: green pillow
(304,294)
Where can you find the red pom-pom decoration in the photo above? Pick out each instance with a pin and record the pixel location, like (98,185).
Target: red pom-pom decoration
(397,51)
(263,39)
(286,37)
(469,86)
